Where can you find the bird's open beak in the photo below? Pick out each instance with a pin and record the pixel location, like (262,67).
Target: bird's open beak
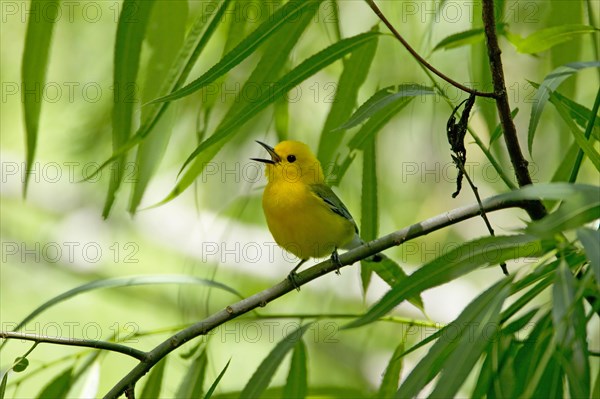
(274,157)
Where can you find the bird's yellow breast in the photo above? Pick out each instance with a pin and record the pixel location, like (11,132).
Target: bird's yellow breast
(301,222)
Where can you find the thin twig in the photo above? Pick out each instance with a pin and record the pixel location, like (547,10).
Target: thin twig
(262,298)
(535,209)
(483,213)
(88,343)
(497,167)
(422,60)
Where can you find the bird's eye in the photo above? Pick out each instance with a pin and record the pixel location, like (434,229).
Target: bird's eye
(291,158)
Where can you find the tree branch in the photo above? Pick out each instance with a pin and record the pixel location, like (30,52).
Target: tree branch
(422,60)
(88,343)
(262,298)
(535,209)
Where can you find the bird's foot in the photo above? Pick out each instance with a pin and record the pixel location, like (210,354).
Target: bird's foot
(293,279)
(335,259)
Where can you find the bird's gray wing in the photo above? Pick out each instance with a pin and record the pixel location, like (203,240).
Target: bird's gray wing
(333,202)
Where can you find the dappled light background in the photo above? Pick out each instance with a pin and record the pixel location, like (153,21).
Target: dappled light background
(55,239)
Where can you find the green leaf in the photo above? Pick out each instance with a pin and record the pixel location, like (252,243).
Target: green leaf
(58,387)
(535,350)
(471,36)
(214,143)
(216,382)
(579,113)
(297,381)
(555,191)
(563,171)
(591,243)
(550,83)
(391,376)
(392,273)
(369,218)
(383,98)
(193,381)
(155,379)
(195,43)
(262,375)
(34,66)
(580,139)
(124,282)
(3,385)
(469,326)
(451,265)
(131,30)
(165,35)
(497,133)
(353,76)
(496,375)
(568,317)
(546,38)
(288,13)
(572,213)
(483,330)
(20,364)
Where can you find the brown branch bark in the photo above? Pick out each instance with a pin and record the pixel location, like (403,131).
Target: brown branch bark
(261,299)
(535,209)
(422,60)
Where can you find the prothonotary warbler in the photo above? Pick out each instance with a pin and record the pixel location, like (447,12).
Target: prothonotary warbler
(303,213)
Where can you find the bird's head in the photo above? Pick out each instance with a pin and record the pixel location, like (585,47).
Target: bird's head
(292,161)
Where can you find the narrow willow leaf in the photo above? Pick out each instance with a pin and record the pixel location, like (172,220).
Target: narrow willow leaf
(585,144)
(391,376)
(497,133)
(192,384)
(556,191)
(445,349)
(124,282)
(572,213)
(383,98)
(262,375)
(195,42)
(289,12)
(591,243)
(165,35)
(131,30)
(569,323)
(460,39)
(34,66)
(579,113)
(483,330)
(392,273)
(214,385)
(465,38)
(550,83)
(453,264)
(3,385)
(58,387)
(532,351)
(369,217)
(356,68)
(496,367)
(214,143)
(154,381)
(296,385)
(563,171)
(377,122)
(268,69)
(546,38)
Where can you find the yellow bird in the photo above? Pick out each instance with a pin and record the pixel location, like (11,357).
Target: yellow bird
(304,215)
